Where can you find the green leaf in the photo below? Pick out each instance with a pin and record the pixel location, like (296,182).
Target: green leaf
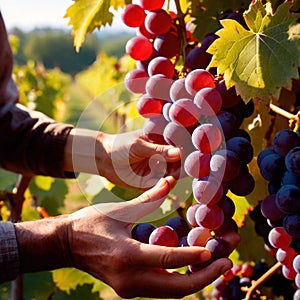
(206,14)
(262,60)
(85,16)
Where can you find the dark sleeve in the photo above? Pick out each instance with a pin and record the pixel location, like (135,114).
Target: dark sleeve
(31,143)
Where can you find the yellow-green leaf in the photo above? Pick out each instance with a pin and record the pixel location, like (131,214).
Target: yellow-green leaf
(86,15)
(261,60)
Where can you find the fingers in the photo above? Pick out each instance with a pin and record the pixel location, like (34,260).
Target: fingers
(170,153)
(163,284)
(150,200)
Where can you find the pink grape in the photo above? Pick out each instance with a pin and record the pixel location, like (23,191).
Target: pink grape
(133,15)
(286,256)
(158,21)
(288,272)
(141,30)
(196,164)
(152,4)
(161,65)
(164,236)
(158,86)
(139,48)
(197,80)
(135,81)
(209,100)
(198,236)
(178,90)
(154,128)
(207,137)
(296,263)
(185,113)
(166,109)
(149,107)
(209,216)
(190,214)
(279,238)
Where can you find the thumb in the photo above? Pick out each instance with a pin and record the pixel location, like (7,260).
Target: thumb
(150,200)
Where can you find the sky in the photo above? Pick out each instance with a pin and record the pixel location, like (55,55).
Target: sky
(30,14)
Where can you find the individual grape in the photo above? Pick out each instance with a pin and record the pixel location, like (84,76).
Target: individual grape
(226,122)
(286,256)
(154,128)
(288,272)
(229,96)
(206,190)
(185,113)
(161,65)
(190,214)
(259,269)
(209,216)
(158,21)
(292,161)
(227,206)
(152,4)
(270,210)
(183,242)
(243,184)
(272,167)
(279,238)
(133,15)
(209,100)
(196,164)
(225,165)
(207,138)
(291,224)
(197,80)
(218,247)
(180,225)
(198,236)
(141,232)
(139,48)
(284,141)
(242,147)
(158,86)
(263,154)
(178,90)
(197,58)
(164,236)
(296,263)
(229,225)
(243,133)
(166,109)
(288,199)
(274,186)
(247,269)
(135,81)
(290,178)
(167,45)
(179,136)
(149,107)
(141,30)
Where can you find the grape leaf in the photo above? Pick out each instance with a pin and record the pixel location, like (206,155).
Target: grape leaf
(261,60)
(206,14)
(85,16)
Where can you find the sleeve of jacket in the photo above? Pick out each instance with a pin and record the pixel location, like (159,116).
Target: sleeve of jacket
(32,143)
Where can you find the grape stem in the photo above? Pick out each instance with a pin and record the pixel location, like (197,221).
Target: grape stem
(294,120)
(255,284)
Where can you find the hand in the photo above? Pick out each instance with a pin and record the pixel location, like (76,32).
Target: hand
(97,239)
(125,159)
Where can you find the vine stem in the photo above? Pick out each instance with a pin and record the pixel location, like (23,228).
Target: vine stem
(294,120)
(255,285)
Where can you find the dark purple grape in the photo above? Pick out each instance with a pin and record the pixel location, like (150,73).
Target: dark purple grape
(243,184)
(272,167)
(284,141)
(142,231)
(180,225)
(288,199)
(291,224)
(292,161)
(242,147)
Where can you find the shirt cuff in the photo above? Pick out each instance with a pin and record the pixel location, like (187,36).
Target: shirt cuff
(9,255)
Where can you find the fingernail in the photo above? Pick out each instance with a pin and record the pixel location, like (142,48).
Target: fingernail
(173,153)
(205,255)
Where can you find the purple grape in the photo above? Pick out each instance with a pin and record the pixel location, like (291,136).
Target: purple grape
(141,232)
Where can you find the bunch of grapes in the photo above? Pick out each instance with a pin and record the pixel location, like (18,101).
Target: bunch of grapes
(235,282)
(192,109)
(280,166)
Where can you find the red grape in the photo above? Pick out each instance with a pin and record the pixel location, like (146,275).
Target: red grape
(139,48)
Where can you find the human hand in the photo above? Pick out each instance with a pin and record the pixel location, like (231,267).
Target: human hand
(125,159)
(101,245)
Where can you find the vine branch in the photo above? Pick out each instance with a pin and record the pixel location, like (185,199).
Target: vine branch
(255,284)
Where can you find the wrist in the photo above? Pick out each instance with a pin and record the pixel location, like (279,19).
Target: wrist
(43,244)
(85,151)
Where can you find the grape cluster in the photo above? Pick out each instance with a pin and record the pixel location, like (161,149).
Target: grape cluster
(192,109)
(280,166)
(234,284)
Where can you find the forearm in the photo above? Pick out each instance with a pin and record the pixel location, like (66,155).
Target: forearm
(43,244)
